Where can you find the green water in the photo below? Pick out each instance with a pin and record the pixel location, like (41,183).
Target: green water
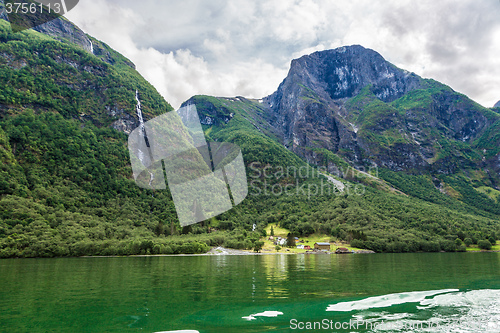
(214,293)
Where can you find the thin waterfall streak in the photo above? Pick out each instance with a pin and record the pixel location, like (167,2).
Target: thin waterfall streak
(138,110)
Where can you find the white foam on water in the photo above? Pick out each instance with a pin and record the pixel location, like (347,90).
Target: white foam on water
(471,312)
(446,311)
(268,314)
(386,300)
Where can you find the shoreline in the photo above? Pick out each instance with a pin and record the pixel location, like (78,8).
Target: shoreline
(221,251)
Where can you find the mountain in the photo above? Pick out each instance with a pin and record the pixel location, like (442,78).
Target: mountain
(68,102)
(349,108)
(354,103)
(497,105)
(65,175)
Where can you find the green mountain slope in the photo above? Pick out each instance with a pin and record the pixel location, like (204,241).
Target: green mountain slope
(426,219)
(66,186)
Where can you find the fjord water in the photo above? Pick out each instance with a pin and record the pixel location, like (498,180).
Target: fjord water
(219,294)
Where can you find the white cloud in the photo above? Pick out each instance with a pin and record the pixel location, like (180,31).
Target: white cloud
(244,47)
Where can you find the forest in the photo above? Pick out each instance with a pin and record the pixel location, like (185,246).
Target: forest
(66,185)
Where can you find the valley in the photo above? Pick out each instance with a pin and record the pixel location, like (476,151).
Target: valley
(395,162)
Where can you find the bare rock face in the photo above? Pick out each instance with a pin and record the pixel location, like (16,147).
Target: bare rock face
(354,103)
(63,30)
(497,105)
(60,29)
(308,106)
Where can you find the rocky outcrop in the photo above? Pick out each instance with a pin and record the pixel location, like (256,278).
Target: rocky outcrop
(63,30)
(352,102)
(497,105)
(3,14)
(343,72)
(60,29)
(308,105)
(125,123)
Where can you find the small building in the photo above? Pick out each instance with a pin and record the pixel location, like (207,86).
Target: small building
(280,241)
(322,246)
(300,247)
(307,247)
(342,250)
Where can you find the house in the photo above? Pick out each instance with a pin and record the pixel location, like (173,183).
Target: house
(342,250)
(280,241)
(300,247)
(322,246)
(307,247)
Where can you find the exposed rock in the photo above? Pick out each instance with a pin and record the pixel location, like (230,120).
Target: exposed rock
(343,72)
(126,123)
(63,30)
(497,105)
(60,29)
(323,103)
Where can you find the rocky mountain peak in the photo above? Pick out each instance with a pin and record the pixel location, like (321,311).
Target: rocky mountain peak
(352,102)
(59,28)
(497,105)
(63,30)
(343,72)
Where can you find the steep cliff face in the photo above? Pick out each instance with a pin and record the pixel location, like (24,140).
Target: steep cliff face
(497,105)
(59,28)
(64,74)
(354,103)
(343,72)
(65,31)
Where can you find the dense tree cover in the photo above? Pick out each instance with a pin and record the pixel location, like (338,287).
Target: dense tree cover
(43,74)
(66,185)
(425,220)
(71,194)
(484,244)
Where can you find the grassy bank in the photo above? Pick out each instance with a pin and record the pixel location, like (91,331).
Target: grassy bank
(310,240)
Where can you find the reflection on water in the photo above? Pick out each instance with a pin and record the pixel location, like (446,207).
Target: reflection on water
(214,293)
(276,272)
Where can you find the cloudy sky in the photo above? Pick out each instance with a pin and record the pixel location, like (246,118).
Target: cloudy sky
(244,47)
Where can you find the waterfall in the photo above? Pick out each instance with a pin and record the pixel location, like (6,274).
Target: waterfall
(138,110)
(91,47)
